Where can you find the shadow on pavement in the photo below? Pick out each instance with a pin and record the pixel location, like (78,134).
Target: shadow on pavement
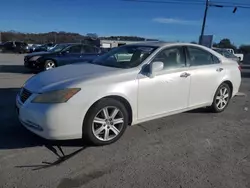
(14,69)
(200,111)
(14,136)
(56,148)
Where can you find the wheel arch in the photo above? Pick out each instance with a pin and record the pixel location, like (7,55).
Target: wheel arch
(230,84)
(123,100)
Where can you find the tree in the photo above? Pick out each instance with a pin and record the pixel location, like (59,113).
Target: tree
(226,43)
(245,49)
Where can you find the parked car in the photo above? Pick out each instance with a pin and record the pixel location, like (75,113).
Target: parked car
(99,99)
(43,47)
(14,47)
(62,54)
(227,54)
(240,56)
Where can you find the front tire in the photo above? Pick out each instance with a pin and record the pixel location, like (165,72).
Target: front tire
(105,122)
(221,98)
(49,64)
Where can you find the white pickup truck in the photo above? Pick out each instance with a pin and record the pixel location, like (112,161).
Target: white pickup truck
(240,56)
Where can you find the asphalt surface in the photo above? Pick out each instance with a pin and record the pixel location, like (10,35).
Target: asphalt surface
(189,150)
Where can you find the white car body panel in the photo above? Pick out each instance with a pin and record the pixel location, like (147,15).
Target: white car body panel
(161,92)
(165,94)
(207,78)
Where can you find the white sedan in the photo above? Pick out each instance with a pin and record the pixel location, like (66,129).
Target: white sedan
(97,100)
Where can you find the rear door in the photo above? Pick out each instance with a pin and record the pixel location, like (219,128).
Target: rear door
(206,74)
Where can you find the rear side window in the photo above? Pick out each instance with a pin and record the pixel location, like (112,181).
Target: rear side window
(89,49)
(198,57)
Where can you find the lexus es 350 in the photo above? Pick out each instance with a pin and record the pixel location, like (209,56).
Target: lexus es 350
(126,86)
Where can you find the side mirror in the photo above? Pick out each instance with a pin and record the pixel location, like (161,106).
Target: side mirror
(150,69)
(156,67)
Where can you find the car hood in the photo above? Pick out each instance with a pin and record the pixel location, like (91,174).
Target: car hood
(64,76)
(39,54)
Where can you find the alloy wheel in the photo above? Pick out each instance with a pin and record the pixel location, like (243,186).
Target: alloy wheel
(108,123)
(50,65)
(222,98)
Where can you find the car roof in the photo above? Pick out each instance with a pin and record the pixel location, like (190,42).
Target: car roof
(73,44)
(164,44)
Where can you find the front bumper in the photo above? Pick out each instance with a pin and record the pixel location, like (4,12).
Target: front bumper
(50,121)
(34,65)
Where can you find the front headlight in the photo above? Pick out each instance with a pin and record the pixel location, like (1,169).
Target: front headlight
(57,96)
(34,58)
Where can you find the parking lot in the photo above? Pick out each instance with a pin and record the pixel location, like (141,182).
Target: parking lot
(192,149)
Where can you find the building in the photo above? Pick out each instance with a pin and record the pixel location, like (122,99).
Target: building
(116,43)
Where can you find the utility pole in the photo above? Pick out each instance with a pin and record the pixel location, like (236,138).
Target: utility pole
(55,37)
(204,22)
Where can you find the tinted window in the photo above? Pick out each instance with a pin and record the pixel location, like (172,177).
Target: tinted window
(201,57)
(75,49)
(171,57)
(89,49)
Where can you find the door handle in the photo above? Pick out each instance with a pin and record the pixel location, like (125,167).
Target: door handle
(185,75)
(219,69)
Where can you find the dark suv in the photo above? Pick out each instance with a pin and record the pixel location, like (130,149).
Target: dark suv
(14,47)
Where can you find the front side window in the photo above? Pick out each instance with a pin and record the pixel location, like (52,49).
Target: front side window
(199,57)
(171,58)
(75,49)
(125,56)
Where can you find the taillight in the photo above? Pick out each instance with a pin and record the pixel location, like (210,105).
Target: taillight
(239,67)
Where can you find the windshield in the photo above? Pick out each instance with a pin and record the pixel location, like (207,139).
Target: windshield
(125,56)
(225,53)
(58,48)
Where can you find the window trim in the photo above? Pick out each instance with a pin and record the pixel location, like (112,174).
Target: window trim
(196,47)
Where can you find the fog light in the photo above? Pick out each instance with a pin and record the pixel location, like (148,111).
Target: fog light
(32,125)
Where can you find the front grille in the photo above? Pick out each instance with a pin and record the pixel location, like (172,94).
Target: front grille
(24,95)
(26,58)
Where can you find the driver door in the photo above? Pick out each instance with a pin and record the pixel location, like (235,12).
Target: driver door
(168,90)
(72,55)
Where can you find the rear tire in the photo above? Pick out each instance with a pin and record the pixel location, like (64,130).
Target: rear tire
(49,64)
(105,122)
(221,98)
